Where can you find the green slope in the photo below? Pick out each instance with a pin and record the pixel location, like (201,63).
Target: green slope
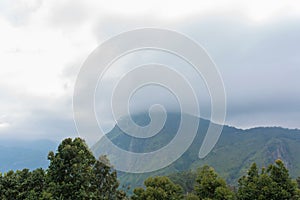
(231,157)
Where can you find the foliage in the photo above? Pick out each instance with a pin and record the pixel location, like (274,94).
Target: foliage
(185,179)
(73,173)
(71,170)
(161,188)
(272,183)
(22,184)
(210,186)
(191,196)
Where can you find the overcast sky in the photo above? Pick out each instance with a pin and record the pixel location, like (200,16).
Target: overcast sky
(255,45)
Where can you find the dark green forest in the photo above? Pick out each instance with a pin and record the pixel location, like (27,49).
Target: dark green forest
(74,173)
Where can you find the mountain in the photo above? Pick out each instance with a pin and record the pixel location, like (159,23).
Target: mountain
(231,157)
(20,154)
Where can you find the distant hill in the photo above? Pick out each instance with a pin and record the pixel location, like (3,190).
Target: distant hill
(231,157)
(20,154)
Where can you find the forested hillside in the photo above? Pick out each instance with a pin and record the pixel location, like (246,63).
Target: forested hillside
(75,174)
(234,153)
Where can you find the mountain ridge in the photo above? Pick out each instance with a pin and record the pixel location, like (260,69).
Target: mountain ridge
(231,157)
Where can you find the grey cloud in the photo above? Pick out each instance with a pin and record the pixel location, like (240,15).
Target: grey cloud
(33,117)
(260,66)
(259,63)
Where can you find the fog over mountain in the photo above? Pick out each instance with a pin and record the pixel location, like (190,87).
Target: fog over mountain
(44,43)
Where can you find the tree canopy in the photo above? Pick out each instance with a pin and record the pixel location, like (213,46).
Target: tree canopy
(74,173)
(160,187)
(210,186)
(271,183)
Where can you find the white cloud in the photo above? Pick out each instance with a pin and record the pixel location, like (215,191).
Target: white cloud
(43,43)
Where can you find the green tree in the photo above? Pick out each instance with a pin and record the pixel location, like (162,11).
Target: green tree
(248,183)
(280,175)
(38,180)
(9,186)
(298,182)
(160,187)
(272,183)
(22,184)
(105,181)
(70,170)
(210,186)
(191,196)
(185,179)
(74,173)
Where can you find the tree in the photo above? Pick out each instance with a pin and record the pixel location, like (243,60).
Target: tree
(210,186)
(105,181)
(280,175)
(272,183)
(191,196)
(70,170)
(9,186)
(37,180)
(185,179)
(74,173)
(22,184)
(160,187)
(248,184)
(298,182)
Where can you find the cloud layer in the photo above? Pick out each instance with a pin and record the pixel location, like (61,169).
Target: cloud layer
(44,43)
